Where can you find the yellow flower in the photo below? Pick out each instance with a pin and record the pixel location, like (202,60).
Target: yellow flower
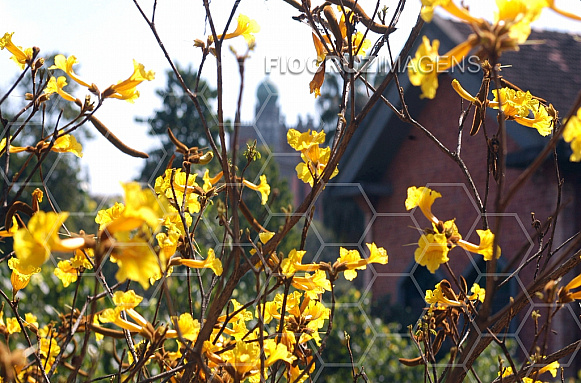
(56,86)
(20,274)
(3,143)
(437,297)
(266,236)
(319,77)
(314,316)
(31,320)
(572,134)
(541,120)
(106,216)
(376,254)
(516,105)
(320,48)
(423,70)
(463,92)
(315,161)
(64,144)
(423,198)
(48,350)
(12,325)
(173,222)
(34,243)
(357,38)
(67,270)
(168,243)
(125,301)
(551,368)
(514,102)
(485,247)
(293,263)
(565,295)
(359,45)
(303,319)
(189,327)
(312,285)
(432,251)
(303,141)
(142,206)
(358,41)
(99,337)
(478,293)
(20,56)
(244,358)
(211,262)
(428,7)
(270,311)
(245,28)
(126,90)
(66,65)
(37,195)
(68,144)
(263,188)
(518,15)
(165,185)
(12,230)
(351,259)
(210,182)
(136,259)
(276,351)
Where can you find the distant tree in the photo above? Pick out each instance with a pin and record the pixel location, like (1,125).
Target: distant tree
(178,113)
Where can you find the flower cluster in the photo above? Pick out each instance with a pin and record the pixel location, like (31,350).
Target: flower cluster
(511,27)
(435,243)
(314,158)
(444,296)
(518,106)
(123,90)
(235,351)
(64,143)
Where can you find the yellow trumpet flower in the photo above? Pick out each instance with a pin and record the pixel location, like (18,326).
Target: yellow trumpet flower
(126,90)
(20,56)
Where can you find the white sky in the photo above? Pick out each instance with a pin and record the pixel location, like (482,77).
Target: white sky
(106,35)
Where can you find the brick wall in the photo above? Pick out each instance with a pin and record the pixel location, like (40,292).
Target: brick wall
(421,163)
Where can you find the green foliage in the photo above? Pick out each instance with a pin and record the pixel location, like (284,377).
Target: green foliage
(375,345)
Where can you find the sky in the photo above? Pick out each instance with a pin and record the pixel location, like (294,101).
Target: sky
(107,35)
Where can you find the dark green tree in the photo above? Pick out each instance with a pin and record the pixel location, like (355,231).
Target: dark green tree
(178,113)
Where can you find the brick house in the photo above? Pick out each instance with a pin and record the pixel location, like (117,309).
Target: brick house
(386,156)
